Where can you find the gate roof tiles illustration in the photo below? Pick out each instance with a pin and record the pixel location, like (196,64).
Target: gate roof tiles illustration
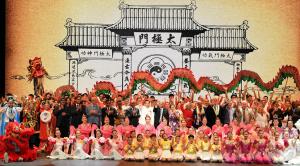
(157,18)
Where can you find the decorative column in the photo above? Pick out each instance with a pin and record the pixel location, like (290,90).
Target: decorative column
(126,67)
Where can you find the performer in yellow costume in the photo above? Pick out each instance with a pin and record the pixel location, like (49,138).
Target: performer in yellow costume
(177,154)
(191,149)
(165,145)
(129,150)
(153,146)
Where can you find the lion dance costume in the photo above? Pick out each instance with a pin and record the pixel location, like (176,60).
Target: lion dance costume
(16,143)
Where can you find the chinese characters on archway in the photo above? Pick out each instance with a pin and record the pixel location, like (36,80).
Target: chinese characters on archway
(157,38)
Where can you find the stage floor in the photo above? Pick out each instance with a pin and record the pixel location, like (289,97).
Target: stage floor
(48,162)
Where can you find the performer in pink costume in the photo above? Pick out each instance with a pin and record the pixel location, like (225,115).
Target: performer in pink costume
(229,149)
(140,129)
(218,128)
(106,131)
(245,147)
(85,129)
(125,129)
(261,147)
(164,125)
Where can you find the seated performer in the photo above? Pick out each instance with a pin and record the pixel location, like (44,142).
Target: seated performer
(146,145)
(277,148)
(177,153)
(229,146)
(153,146)
(139,149)
(205,148)
(199,140)
(129,150)
(191,149)
(216,155)
(165,145)
(85,130)
(57,152)
(96,146)
(117,145)
(261,146)
(78,143)
(141,128)
(245,148)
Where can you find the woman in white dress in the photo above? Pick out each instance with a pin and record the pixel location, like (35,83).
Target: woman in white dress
(96,147)
(78,152)
(277,148)
(57,152)
(116,145)
(296,160)
(290,151)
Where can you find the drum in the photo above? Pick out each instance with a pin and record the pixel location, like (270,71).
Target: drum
(45,116)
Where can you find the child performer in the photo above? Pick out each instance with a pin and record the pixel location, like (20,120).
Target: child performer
(216,155)
(146,144)
(96,148)
(205,148)
(129,150)
(199,140)
(229,147)
(139,149)
(78,143)
(57,152)
(277,148)
(153,146)
(261,147)
(191,149)
(117,145)
(245,146)
(177,154)
(165,145)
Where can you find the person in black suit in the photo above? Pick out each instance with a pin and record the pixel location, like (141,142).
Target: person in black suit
(133,114)
(110,112)
(160,113)
(77,110)
(63,117)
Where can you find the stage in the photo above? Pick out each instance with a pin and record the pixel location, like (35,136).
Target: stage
(48,162)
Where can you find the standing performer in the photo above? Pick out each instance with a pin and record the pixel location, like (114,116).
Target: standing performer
(47,125)
(37,73)
(9,114)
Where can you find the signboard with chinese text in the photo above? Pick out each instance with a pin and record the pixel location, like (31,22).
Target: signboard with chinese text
(216,55)
(95,53)
(157,38)
(73,73)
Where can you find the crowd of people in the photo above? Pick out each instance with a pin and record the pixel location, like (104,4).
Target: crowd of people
(243,127)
